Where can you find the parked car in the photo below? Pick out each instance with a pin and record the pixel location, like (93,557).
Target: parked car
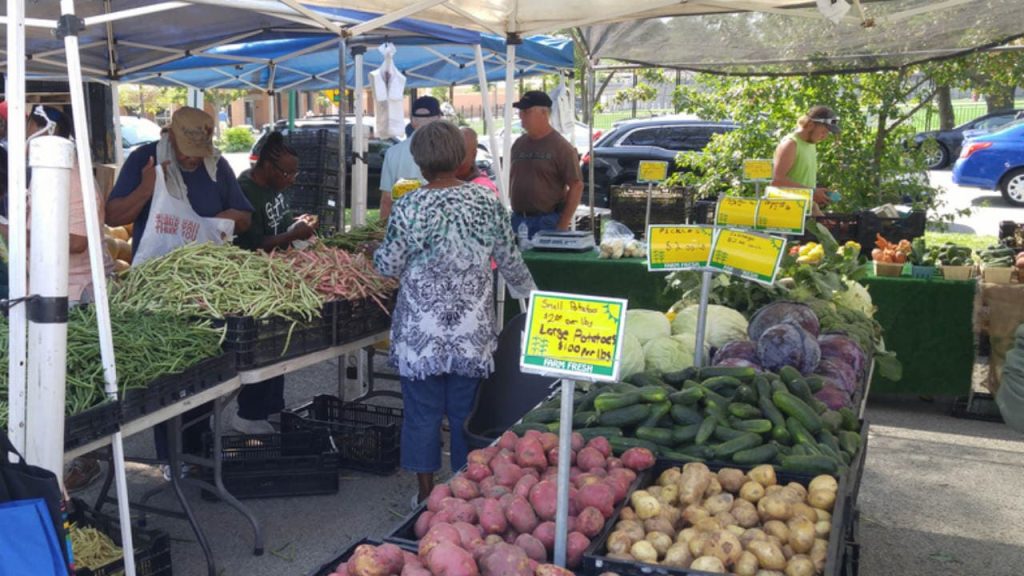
(617,154)
(994,162)
(942,147)
(137,131)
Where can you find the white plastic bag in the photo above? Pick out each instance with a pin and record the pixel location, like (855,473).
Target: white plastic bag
(617,241)
(172,223)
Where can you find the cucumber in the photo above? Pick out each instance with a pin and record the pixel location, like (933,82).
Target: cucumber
(800,389)
(606,431)
(587,404)
(828,444)
(779,386)
(665,421)
(789,374)
(743,411)
(745,441)
(740,373)
(763,387)
(661,436)
(620,444)
(613,401)
(832,421)
(690,384)
(792,406)
(707,427)
(809,464)
(724,433)
(755,425)
(817,405)
(716,382)
(678,456)
(684,434)
(542,415)
(584,419)
(687,396)
(685,415)
(553,427)
(849,420)
(657,411)
(643,379)
(781,435)
(654,394)
(814,382)
(678,377)
(759,455)
(849,442)
(746,393)
(713,399)
(522,427)
(627,416)
(771,412)
(697,451)
(801,435)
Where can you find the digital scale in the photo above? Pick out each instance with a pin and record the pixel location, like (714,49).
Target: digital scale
(563,241)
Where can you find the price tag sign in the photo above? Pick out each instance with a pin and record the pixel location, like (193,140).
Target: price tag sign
(757,169)
(781,216)
(780,193)
(572,336)
(736,212)
(651,172)
(678,247)
(749,255)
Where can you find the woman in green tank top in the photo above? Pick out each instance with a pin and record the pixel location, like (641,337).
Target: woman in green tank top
(796,157)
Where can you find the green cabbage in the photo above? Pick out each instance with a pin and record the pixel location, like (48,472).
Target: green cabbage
(647,324)
(723,324)
(631,360)
(667,354)
(855,297)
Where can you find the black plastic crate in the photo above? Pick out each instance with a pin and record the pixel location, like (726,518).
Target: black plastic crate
(378,314)
(1011,234)
(171,388)
(668,206)
(366,437)
(275,465)
(322,178)
(350,320)
(319,158)
(257,342)
(843,227)
(152,547)
(892,229)
(303,140)
(96,422)
(595,563)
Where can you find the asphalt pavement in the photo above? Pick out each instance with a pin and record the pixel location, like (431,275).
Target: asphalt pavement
(987,207)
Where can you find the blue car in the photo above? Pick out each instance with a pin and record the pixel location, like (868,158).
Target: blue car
(994,162)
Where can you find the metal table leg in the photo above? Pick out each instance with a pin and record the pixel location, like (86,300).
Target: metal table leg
(174,460)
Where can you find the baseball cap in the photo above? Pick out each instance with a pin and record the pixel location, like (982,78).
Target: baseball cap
(193,132)
(825,115)
(426,107)
(531,99)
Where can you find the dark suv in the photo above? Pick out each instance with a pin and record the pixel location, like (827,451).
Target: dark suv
(619,151)
(321,175)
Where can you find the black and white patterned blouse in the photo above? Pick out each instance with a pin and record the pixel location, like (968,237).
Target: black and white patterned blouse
(439,245)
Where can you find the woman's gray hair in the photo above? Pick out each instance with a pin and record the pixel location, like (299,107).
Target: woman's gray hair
(437,147)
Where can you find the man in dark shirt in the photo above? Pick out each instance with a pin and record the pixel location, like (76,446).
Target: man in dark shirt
(545,183)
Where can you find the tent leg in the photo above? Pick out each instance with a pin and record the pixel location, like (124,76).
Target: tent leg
(510,90)
(342,110)
(359,190)
(591,86)
(481,74)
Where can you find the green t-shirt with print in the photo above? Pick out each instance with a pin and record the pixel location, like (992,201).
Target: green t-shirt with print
(270,214)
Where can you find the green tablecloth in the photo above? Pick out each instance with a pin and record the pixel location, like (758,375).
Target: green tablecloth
(926,322)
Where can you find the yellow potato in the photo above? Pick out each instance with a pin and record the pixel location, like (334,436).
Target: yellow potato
(685,535)
(723,545)
(774,508)
(718,503)
(799,488)
(768,555)
(823,499)
(800,565)
(823,515)
(763,475)
(669,494)
(822,529)
(627,513)
(788,552)
(777,528)
(696,544)
(745,513)
(121,266)
(725,519)
(619,542)
(790,495)
(644,551)
(752,492)
(659,524)
(654,491)
(731,479)
(747,565)
(693,483)
(801,535)
(823,482)
(646,506)
(671,514)
(714,488)
(622,556)
(708,564)
(751,534)
(801,510)
(819,553)
(661,542)
(669,477)
(633,528)
(707,525)
(736,530)
(693,514)
(678,556)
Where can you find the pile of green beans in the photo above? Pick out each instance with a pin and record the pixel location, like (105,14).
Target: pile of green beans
(212,281)
(146,346)
(352,240)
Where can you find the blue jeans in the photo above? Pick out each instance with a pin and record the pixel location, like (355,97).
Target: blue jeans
(426,401)
(535,223)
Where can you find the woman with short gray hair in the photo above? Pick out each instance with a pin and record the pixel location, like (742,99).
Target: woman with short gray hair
(440,242)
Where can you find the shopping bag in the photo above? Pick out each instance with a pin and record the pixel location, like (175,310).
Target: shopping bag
(173,223)
(20,481)
(28,544)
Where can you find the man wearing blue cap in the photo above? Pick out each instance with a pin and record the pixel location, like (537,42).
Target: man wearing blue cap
(398,161)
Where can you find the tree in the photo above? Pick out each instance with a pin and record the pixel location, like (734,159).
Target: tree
(223,98)
(149,101)
(645,87)
(994,74)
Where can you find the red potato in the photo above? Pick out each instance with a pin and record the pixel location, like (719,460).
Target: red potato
(497,492)
(503,457)
(477,472)
(478,504)
(590,458)
(548,440)
(409,557)
(447,559)
(464,488)
(488,483)
(574,547)
(437,534)
(600,496)
(619,485)
(638,459)
(470,535)
(415,570)
(508,440)
(442,517)
(482,455)
(531,472)
(551,570)
(522,487)
(520,515)
(492,539)
(492,518)
(422,524)
(505,499)
(439,493)
(626,473)
(510,535)
(577,443)
(551,474)
(341,570)
(545,532)
(601,444)
(506,474)
(382,560)
(530,453)
(589,522)
(532,434)
(588,478)
(533,547)
(613,463)
(574,473)
(533,565)
(544,499)
(553,457)
(464,512)
(505,560)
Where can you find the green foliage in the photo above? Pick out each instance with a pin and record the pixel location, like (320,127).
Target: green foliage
(646,89)
(994,74)
(237,139)
(869,164)
(149,101)
(439,92)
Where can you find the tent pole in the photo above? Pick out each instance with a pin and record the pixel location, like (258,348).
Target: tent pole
(115,90)
(485,102)
(590,104)
(510,90)
(342,156)
(18,232)
(359,190)
(99,280)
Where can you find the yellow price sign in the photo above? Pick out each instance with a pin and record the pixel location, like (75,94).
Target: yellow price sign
(678,247)
(781,193)
(757,169)
(736,212)
(651,171)
(749,255)
(573,336)
(403,187)
(781,216)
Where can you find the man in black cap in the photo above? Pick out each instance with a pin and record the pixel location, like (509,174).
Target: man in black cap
(546,183)
(796,157)
(398,161)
